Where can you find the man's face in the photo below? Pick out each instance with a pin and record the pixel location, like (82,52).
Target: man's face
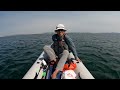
(60,32)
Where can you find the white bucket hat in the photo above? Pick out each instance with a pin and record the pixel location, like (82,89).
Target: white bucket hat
(60,27)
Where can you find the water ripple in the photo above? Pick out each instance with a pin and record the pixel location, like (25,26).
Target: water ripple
(99,52)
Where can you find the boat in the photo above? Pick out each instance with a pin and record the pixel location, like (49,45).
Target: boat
(42,70)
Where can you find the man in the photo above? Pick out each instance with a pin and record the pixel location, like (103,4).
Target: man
(60,49)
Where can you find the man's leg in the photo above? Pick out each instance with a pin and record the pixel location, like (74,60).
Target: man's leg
(61,63)
(50,52)
(62,60)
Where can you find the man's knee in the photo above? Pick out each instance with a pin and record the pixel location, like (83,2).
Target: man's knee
(66,52)
(46,47)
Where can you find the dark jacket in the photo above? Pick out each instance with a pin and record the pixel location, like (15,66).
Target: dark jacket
(67,44)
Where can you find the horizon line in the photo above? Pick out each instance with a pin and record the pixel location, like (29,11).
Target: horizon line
(53,32)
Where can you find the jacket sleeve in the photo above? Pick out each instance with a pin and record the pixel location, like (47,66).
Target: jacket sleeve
(71,46)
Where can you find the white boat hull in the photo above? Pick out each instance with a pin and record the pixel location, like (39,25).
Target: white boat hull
(36,73)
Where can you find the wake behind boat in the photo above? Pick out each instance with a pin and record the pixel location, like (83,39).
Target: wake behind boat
(43,70)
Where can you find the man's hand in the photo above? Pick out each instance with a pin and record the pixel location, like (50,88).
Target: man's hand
(52,62)
(78,59)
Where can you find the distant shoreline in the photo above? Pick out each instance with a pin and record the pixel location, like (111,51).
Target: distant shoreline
(67,32)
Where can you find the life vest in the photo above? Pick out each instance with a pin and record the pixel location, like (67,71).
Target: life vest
(59,44)
(69,66)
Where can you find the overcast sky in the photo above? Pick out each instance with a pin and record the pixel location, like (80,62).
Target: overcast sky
(36,22)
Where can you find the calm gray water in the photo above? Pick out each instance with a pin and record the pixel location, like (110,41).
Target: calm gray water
(99,52)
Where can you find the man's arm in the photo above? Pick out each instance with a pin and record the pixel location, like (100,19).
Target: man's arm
(71,46)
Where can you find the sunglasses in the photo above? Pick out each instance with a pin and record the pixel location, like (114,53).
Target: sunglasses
(60,30)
